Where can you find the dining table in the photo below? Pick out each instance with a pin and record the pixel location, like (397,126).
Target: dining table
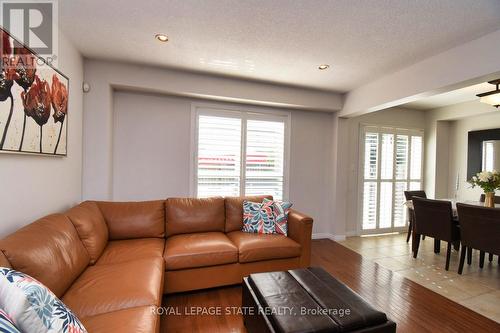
(409,204)
(454,201)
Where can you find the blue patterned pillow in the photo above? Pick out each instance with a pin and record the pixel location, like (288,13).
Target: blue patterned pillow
(258,217)
(33,307)
(280,213)
(7,324)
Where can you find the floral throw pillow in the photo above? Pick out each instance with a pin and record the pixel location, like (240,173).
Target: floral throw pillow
(7,324)
(258,217)
(33,307)
(280,213)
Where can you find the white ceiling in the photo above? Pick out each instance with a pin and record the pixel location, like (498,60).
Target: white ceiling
(278,40)
(452,97)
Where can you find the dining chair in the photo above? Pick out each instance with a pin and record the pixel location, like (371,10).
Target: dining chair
(408,196)
(497,201)
(434,218)
(479,229)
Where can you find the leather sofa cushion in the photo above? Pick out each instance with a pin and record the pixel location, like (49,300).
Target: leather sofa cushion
(201,278)
(132,249)
(128,220)
(256,247)
(133,320)
(91,227)
(3,261)
(199,250)
(190,215)
(234,210)
(105,288)
(49,250)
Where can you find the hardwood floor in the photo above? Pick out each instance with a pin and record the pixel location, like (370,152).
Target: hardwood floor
(413,307)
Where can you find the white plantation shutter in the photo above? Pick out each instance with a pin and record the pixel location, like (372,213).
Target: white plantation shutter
(219,156)
(399,207)
(371,155)
(370,187)
(240,153)
(370,205)
(265,148)
(386,173)
(392,164)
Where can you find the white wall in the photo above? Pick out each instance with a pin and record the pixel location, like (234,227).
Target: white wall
(105,76)
(404,118)
(151,152)
(151,146)
(311,167)
(447,159)
(33,186)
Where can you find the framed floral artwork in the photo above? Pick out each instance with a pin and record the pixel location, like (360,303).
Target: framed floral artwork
(33,102)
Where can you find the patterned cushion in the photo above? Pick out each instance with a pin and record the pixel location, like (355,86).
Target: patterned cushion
(280,213)
(7,324)
(258,217)
(33,307)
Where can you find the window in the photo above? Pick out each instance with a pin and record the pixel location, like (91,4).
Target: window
(391,163)
(240,153)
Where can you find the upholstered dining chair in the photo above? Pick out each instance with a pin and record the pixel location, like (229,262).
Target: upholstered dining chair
(497,201)
(408,196)
(479,229)
(434,218)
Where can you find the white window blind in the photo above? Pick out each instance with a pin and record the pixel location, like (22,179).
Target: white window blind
(240,153)
(392,164)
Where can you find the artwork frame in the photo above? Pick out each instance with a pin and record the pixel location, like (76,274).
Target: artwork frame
(34,101)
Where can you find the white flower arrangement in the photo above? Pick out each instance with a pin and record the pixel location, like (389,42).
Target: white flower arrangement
(489,181)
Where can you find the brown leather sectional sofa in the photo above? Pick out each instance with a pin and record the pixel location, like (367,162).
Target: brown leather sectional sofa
(111,262)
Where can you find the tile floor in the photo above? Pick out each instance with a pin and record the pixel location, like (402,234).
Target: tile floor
(478,289)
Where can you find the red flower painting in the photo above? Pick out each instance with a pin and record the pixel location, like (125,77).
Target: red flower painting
(31,85)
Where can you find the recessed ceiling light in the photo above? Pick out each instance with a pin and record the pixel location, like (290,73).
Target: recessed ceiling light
(162,37)
(323,67)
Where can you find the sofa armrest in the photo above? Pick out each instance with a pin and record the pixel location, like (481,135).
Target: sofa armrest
(300,230)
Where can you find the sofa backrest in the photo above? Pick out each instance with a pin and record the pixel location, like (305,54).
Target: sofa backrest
(91,227)
(140,219)
(49,250)
(234,210)
(190,215)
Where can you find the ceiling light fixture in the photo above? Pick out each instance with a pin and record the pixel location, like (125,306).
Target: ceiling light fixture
(323,67)
(491,97)
(162,37)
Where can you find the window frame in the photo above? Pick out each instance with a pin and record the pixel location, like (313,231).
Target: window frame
(245,114)
(389,129)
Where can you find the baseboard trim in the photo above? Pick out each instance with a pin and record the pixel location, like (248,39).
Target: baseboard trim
(328,236)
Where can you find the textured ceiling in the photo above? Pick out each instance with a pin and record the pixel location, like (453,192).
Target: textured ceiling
(278,40)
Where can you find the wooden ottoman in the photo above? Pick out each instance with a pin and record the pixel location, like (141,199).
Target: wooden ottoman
(307,300)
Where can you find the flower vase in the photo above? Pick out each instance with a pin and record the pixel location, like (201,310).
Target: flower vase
(489,199)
